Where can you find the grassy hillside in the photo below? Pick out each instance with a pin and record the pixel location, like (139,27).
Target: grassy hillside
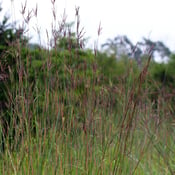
(69,110)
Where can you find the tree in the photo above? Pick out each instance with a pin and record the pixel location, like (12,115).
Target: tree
(156,47)
(121,45)
(9,40)
(6,36)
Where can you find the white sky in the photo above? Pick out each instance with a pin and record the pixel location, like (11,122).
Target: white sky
(135,18)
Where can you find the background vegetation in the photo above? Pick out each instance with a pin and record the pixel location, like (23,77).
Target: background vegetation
(71,110)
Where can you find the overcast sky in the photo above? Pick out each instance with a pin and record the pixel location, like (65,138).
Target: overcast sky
(153,19)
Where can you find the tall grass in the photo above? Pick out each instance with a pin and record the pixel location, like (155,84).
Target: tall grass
(66,120)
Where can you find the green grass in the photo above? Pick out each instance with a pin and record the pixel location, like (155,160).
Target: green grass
(54,152)
(66,116)
(66,132)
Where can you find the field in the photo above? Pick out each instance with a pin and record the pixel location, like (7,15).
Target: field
(71,110)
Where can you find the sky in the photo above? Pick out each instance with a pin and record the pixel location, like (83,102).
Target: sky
(153,19)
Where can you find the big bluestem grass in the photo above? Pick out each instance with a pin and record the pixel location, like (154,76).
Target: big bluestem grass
(63,118)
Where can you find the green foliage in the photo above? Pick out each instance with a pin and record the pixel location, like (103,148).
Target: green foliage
(70,111)
(112,70)
(8,38)
(159,72)
(6,33)
(170,66)
(163,73)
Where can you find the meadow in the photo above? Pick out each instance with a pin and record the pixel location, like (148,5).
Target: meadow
(72,110)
